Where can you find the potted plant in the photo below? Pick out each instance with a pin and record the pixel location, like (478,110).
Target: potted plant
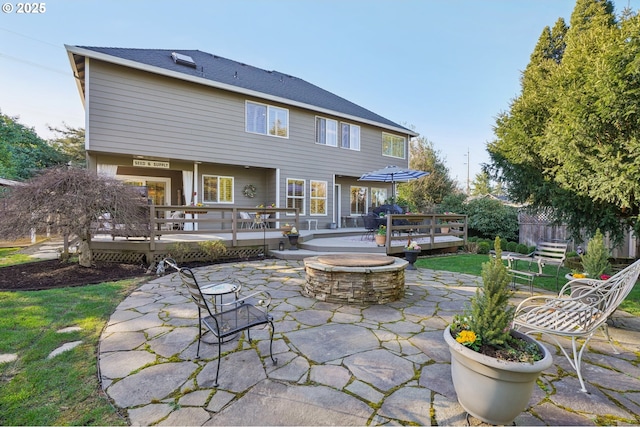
(381,235)
(411,252)
(293,238)
(493,367)
(595,262)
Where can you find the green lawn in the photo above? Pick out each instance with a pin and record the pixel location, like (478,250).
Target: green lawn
(472,264)
(64,390)
(8,256)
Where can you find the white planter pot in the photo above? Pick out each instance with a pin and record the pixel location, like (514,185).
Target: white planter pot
(492,390)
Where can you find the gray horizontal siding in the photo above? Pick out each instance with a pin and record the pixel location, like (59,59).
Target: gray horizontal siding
(133,112)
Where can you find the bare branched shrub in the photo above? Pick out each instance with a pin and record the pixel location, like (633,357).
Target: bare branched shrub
(74,201)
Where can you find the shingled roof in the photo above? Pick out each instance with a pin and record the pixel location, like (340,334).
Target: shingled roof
(236,76)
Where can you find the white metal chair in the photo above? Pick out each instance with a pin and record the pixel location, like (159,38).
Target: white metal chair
(179,225)
(246,222)
(226,320)
(580,309)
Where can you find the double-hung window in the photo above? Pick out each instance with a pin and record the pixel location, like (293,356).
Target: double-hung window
(295,194)
(217,189)
(350,136)
(318,198)
(393,145)
(326,131)
(267,119)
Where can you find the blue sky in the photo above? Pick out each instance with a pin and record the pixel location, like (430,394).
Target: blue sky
(445,67)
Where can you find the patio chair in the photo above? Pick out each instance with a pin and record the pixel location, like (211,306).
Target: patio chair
(179,225)
(370,226)
(580,309)
(258,221)
(246,221)
(225,320)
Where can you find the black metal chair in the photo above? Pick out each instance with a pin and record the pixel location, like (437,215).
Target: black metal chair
(226,319)
(370,226)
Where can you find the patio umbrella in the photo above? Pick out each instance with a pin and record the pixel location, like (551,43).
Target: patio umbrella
(393,174)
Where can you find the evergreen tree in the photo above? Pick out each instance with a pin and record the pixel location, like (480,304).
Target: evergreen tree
(570,141)
(491,314)
(70,141)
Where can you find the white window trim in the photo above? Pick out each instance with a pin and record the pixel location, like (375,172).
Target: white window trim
(233,185)
(352,128)
(327,121)
(303,197)
(326,194)
(270,109)
(404,141)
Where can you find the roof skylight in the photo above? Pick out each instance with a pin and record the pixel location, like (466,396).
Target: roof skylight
(182,59)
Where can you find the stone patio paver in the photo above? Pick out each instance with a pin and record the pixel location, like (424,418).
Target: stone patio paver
(333,359)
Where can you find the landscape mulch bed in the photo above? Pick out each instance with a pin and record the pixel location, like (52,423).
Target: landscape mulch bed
(52,274)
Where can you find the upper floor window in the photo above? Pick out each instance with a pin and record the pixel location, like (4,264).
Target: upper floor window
(217,189)
(393,145)
(326,131)
(267,119)
(350,136)
(295,194)
(318,198)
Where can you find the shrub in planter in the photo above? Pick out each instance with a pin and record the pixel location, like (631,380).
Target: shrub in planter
(596,261)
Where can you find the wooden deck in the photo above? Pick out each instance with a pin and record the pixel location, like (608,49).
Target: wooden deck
(431,232)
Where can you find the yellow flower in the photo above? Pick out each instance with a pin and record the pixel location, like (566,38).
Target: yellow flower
(579,276)
(466,337)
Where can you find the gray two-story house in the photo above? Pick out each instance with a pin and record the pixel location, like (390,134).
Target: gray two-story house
(193,127)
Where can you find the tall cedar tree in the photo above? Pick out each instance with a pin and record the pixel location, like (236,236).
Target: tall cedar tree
(570,142)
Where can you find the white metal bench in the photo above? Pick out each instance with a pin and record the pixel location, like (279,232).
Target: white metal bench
(546,253)
(579,310)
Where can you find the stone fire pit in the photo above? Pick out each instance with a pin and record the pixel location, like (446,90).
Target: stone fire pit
(355,278)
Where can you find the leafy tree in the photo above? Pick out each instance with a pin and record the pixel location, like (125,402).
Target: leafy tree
(73,200)
(569,143)
(23,152)
(70,141)
(430,189)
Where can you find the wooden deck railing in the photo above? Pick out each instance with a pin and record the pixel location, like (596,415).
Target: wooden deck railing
(406,227)
(206,219)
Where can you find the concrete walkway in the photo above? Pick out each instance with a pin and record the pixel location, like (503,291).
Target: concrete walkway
(337,364)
